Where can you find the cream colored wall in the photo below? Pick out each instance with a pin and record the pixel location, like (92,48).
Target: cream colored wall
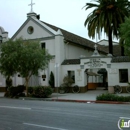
(79,76)
(39,32)
(74,52)
(114,73)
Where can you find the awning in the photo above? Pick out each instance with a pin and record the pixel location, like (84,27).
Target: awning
(92,74)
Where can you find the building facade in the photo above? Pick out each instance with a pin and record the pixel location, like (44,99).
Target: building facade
(74,56)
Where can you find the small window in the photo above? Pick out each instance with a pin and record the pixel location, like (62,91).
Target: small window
(123,75)
(71,74)
(30,30)
(43,46)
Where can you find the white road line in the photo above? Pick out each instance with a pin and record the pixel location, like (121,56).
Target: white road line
(65,113)
(23,108)
(124,117)
(43,126)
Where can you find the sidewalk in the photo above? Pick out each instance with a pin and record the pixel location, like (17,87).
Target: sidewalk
(88,97)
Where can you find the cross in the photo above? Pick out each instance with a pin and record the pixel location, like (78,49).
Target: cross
(31,5)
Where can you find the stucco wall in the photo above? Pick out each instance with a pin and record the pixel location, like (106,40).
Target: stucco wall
(74,52)
(114,73)
(39,32)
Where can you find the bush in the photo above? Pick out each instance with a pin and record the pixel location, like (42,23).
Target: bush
(47,91)
(40,91)
(112,97)
(15,91)
(52,80)
(30,90)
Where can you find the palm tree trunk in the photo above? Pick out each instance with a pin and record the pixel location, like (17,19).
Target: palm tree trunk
(122,50)
(110,41)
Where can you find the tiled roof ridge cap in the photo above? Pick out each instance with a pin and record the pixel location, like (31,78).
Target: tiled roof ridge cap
(66,31)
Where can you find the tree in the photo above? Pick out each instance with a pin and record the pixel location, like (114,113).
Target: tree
(8,59)
(125,35)
(52,80)
(106,16)
(27,58)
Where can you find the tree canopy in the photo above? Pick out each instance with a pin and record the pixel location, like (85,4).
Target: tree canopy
(106,17)
(125,35)
(25,57)
(9,57)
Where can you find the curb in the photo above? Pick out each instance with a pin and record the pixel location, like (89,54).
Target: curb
(90,101)
(70,100)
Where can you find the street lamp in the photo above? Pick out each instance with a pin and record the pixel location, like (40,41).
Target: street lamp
(57,77)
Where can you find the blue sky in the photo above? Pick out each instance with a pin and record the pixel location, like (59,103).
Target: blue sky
(66,14)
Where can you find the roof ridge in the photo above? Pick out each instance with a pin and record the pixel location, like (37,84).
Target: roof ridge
(67,31)
(76,39)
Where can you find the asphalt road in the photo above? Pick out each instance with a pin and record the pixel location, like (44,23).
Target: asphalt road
(46,115)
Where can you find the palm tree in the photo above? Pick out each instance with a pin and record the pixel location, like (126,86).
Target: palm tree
(106,16)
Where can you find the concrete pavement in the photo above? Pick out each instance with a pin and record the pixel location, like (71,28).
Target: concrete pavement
(89,96)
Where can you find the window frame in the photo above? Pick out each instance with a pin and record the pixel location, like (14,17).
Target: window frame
(123,75)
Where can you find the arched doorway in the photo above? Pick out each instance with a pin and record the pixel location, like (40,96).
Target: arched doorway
(104,74)
(96,78)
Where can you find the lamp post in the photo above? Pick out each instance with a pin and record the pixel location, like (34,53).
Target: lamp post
(57,77)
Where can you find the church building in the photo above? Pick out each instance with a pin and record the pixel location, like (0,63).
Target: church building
(80,58)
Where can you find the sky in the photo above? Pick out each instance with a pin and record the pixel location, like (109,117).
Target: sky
(66,14)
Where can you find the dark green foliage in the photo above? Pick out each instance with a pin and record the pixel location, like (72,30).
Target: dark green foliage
(52,80)
(15,91)
(30,90)
(23,57)
(39,91)
(8,82)
(106,17)
(125,35)
(47,91)
(112,97)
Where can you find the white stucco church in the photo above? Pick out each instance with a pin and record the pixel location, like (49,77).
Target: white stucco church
(75,56)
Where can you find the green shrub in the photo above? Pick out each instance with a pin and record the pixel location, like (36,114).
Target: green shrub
(30,90)
(112,97)
(47,91)
(15,91)
(38,91)
(42,92)
(52,80)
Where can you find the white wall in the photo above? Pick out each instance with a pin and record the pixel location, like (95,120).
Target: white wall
(39,32)
(74,52)
(114,73)
(79,76)
(105,42)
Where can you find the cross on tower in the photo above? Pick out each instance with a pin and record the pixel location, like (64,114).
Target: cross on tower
(31,5)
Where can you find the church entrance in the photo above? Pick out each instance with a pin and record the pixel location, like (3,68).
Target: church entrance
(96,79)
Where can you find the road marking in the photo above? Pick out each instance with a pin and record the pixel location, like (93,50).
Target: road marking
(43,126)
(23,108)
(74,114)
(125,117)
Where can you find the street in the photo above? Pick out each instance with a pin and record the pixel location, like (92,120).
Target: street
(18,114)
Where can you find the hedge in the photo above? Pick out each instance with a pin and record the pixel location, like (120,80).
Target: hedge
(112,97)
(40,91)
(15,91)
